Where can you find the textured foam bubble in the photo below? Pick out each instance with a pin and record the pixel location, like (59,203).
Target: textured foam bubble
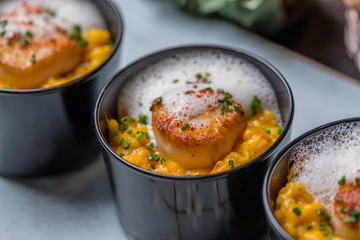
(81,12)
(232,74)
(324,158)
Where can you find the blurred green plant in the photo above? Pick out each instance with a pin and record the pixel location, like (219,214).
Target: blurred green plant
(265,16)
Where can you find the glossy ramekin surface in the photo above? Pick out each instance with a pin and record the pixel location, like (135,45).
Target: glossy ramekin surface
(50,130)
(226,205)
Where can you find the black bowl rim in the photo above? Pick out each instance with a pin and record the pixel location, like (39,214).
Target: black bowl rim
(274,224)
(87,76)
(182,48)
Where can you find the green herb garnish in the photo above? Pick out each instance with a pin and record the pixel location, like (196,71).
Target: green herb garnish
(255,104)
(297,211)
(142,119)
(342,181)
(33,59)
(351,219)
(139,135)
(113,134)
(280,129)
(127,145)
(151,146)
(153,167)
(357,181)
(338,199)
(8,86)
(121,141)
(162,160)
(129,131)
(185,126)
(123,127)
(127,120)
(29,34)
(267,131)
(175,81)
(231,163)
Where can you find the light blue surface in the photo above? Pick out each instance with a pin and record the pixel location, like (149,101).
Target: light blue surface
(80,206)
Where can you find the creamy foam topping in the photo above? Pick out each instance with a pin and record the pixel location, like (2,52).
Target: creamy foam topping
(175,74)
(42,18)
(324,158)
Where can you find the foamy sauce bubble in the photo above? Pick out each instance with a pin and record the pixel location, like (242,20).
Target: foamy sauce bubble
(81,12)
(321,160)
(232,74)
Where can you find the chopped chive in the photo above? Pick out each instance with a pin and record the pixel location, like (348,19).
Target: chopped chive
(322,224)
(342,210)
(139,135)
(29,34)
(220,100)
(342,181)
(322,228)
(338,199)
(140,104)
(221,90)
(321,212)
(175,81)
(121,141)
(357,180)
(127,120)
(151,146)
(9,42)
(122,127)
(129,131)
(189,82)
(151,107)
(255,104)
(209,89)
(113,134)
(142,119)
(297,211)
(350,219)
(8,86)
(83,43)
(127,145)
(280,129)
(222,110)
(147,135)
(238,109)
(328,218)
(122,154)
(158,100)
(153,167)
(198,76)
(185,126)
(309,227)
(331,234)
(231,163)
(267,131)
(162,160)
(33,60)
(3,23)
(227,96)
(76,33)
(110,43)
(153,157)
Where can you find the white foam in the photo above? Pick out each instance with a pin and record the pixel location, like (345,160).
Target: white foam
(82,12)
(235,75)
(323,159)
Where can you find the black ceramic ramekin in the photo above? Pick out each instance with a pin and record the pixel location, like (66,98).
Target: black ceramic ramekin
(50,130)
(276,176)
(219,206)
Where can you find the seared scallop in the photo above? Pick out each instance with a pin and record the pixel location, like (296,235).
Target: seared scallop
(196,128)
(346,211)
(34,47)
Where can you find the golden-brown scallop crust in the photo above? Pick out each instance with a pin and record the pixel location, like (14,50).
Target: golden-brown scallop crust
(208,137)
(347,198)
